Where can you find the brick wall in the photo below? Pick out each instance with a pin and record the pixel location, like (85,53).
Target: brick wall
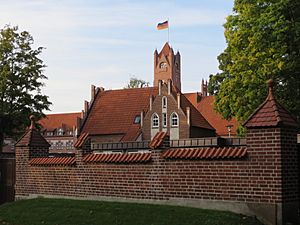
(264,183)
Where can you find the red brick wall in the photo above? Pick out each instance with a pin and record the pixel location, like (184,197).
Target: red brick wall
(267,175)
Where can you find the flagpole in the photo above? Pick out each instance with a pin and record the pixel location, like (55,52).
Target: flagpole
(168,32)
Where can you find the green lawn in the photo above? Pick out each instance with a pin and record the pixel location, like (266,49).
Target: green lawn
(74,212)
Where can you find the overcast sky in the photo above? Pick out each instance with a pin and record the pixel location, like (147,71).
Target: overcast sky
(106,42)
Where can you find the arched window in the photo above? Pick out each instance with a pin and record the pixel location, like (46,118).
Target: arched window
(163,65)
(174,119)
(164,102)
(155,120)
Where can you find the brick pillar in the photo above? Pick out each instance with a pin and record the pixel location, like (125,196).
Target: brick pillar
(290,176)
(32,144)
(272,145)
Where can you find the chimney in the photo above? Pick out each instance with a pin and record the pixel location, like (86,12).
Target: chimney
(204,88)
(178,100)
(151,101)
(188,115)
(93,92)
(86,106)
(169,86)
(159,87)
(78,125)
(142,118)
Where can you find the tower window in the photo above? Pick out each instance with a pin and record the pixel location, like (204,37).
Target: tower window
(174,119)
(164,102)
(163,65)
(155,120)
(164,119)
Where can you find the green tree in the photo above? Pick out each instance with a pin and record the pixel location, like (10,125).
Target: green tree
(263,42)
(21,75)
(137,83)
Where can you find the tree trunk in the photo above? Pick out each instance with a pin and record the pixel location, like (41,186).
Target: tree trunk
(1,141)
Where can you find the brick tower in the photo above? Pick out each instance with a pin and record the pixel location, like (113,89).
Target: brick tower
(167,66)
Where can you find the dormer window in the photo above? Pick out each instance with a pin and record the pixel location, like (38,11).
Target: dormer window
(174,119)
(163,65)
(155,120)
(137,119)
(60,132)
(164,102)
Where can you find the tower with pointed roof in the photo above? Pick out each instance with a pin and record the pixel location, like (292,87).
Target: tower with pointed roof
(167,66)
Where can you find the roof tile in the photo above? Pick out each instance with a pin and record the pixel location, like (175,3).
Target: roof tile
(206,107)
(119,108)
(205,153)
(270,114)
(53,121)
(53,161)
(118,158)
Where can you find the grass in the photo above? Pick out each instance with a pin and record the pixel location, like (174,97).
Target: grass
(45,211)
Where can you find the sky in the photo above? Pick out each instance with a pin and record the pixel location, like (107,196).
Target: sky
(105,43)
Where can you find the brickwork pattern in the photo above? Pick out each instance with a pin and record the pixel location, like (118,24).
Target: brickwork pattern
(257,178)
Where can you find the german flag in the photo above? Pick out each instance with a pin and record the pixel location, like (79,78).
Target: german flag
(163,25)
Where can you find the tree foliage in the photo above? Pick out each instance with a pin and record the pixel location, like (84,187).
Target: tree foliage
(21,75)
(263,42)
(137,83)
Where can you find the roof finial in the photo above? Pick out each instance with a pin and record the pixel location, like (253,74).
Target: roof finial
(32,125)
(270,85)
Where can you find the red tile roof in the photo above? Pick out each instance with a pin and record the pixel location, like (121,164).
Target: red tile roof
(118,158)
(32,137)
(53,121)
(270,114)
(197,119)
(192,97)
(205,153)
(206,107)
(157,140)
(114,111)
(81,139)
(53,161)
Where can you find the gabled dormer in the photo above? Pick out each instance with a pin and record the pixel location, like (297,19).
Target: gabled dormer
(167,66)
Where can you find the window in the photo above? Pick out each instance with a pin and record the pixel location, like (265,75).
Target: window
(163,65)
(174,120)
(164,115)
(60,132)
(164,102)
(137,119)
(155,120)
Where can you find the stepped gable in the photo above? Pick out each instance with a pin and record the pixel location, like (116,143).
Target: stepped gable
(270,114)
(114,112)
(197,119)
(32,137)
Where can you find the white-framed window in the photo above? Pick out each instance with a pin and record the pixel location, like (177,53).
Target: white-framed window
(164,119)
(174,119)
(60,132)
(155,120)
(164,102)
